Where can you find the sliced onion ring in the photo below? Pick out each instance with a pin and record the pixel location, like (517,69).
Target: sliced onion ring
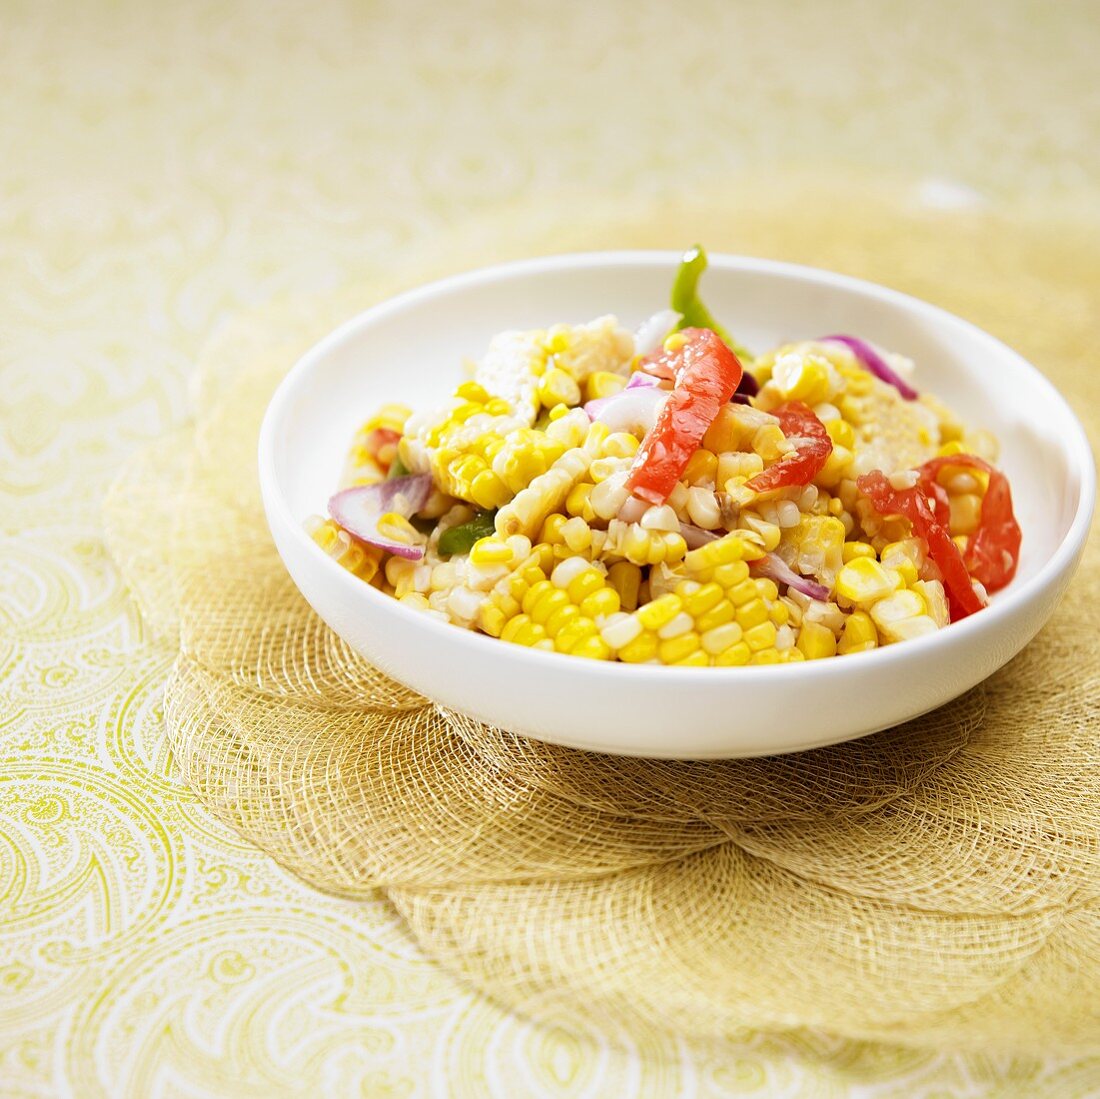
(634,409)
(358,510)
(875,363)
(772,566)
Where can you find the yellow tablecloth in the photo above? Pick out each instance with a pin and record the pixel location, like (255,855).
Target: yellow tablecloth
(164,167)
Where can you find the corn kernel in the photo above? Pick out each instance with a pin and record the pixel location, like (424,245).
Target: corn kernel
(720,638)
(767,656)
(619,444)
(754,614)
(601,603)
(558,387)
(851,550)
(592,647)
(734,656)
(677,648)
(681,624)
(815,641)
(660,611)
(950,449)
(863,581)
(640,650)
(731,575)
(620,629)
(560,617)
(625,578)
(575,631)
(696,659)
(718,615)
(701,468)
(534,593)
(801,377)
(724,432)
(472,391)
(966,513)
(742,593)
(841,433)
(704,598)
(779,613)
(603,383)
(584,583)
(769,442)
(490,551)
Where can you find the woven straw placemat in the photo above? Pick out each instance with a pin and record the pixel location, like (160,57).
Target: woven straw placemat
(937,884)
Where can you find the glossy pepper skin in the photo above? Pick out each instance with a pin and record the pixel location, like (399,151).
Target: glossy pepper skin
(993,550)
(914,504)
(705,373)
(686,301)
(812,447)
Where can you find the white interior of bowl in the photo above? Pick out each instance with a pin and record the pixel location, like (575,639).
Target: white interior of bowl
(411,348)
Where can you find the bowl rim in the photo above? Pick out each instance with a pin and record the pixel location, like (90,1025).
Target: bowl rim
(974,628)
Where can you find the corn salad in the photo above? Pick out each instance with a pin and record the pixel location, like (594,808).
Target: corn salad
(556,500)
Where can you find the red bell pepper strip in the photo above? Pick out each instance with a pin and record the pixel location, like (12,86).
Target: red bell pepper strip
(914,505)
(706,373)
(812,447)
(993,550)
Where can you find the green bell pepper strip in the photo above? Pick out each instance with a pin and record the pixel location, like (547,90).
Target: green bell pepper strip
(686,301)
(461,539)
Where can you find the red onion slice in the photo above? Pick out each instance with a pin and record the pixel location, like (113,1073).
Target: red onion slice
(775,568)
(634,409)
(696,536)
(876,364)
(358,510)
(641,380)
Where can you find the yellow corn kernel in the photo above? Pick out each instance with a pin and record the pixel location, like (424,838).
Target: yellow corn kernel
(492,619)
(472,391)
(490,551)
(779,613)
(769,442)
(677,648)
(520,631)
(801,377)
(767,656)
(724,432)
(603,383)
(595,437)
(625,578)
(863,581)
(720,638)
(558,387)
(734,656)
(842,433)
(577,534)
(416,600)
(660,611)
(815,641)
(718,615)
(535,592)
(592,647)
(397,528)
(859,633)
(901,616)
(573,632)
(950,449)
(578,503)
(742,593)
(935,599)
(640,650)
(902,558)
(584,584)
(695,659)
(488,491)
(851,550)
(767,589)
(703,598)
(547,603)
(966,513)
(731,575)
(752,614)
(560,618)
(836,468)
(602,603)
(702,468)
(619,444)
(551,530)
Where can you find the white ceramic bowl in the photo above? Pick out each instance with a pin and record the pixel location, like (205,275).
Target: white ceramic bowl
(409,349)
